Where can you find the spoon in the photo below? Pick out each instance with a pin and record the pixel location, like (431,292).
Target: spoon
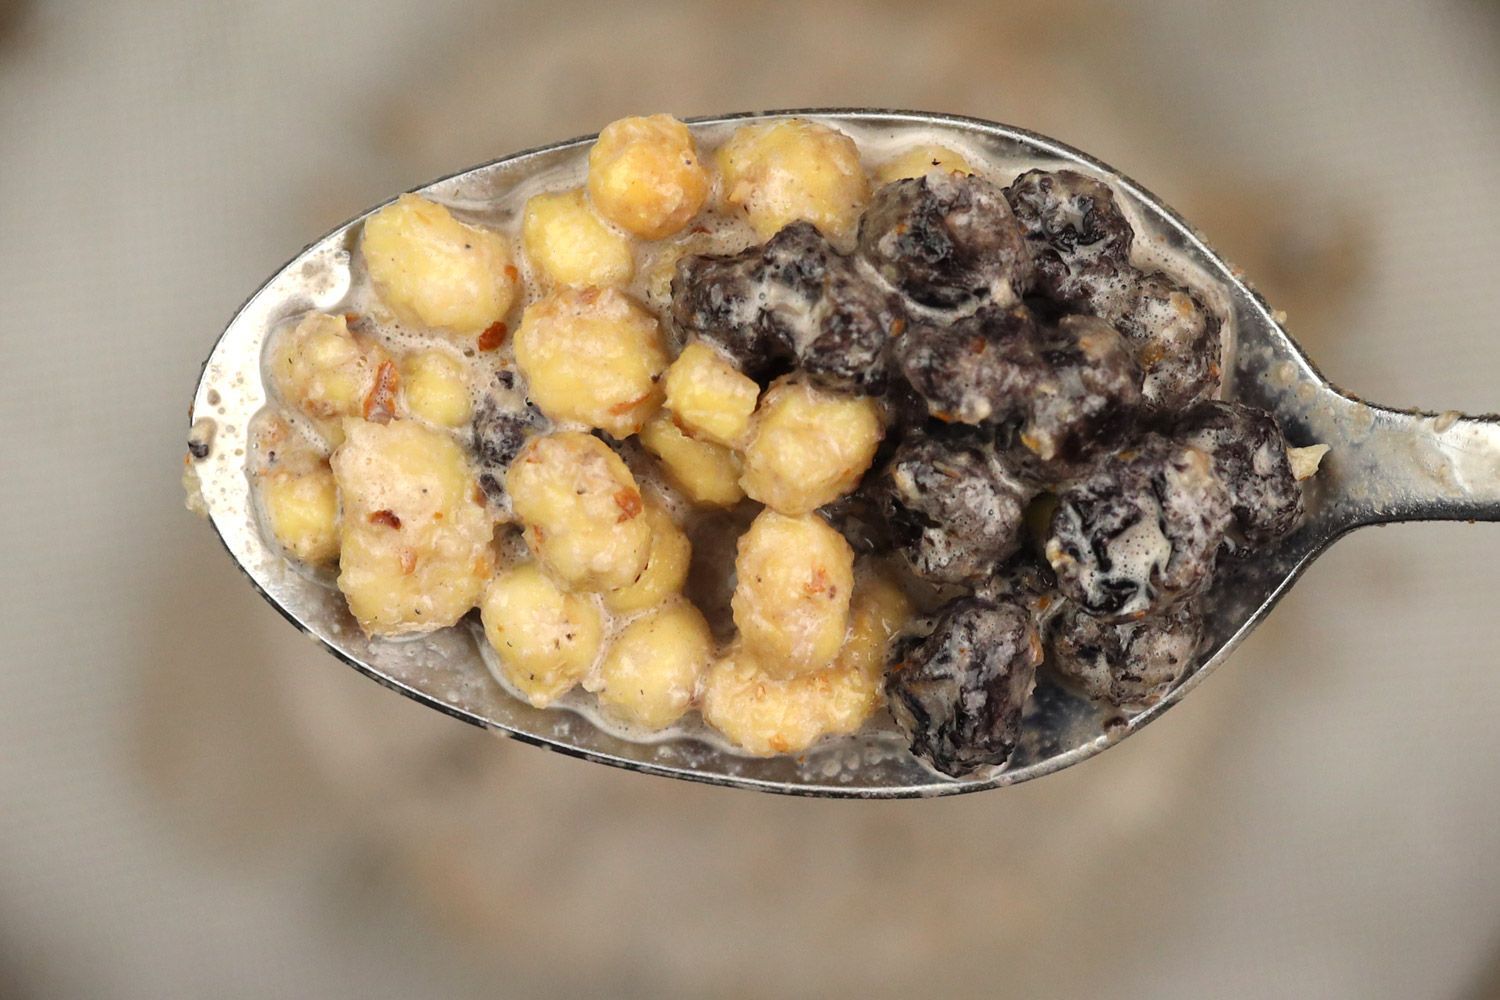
(1383,465)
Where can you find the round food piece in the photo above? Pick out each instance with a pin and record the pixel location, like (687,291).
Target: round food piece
(545,639)
(1176,340)
(979,368)
(435,388)
(322,370)
(957,691)
(794,578)
(568,244)
(945,240)
(704,472)
(644,175)
(302,507)
(955,510)
(1250,457)
(666,566)
(650,673)
(432,270)
(918,161)
(708,396)
(808,445)
(582,511)
(719,300)
(1079,239)
(1134,663)
(1091,394)
(835,323)
(592,356)
(1141,532)
(779,172)
(503,422)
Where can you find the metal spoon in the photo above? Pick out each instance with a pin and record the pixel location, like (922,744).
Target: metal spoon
(1384,465)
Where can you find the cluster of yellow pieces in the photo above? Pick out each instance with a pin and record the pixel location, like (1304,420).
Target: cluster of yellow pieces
(399,507)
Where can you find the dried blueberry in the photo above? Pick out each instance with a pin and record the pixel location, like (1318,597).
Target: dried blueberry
(953,507)
(1249,455)
(721,300)
(1140,532)
(503,421)
(958,691)
(946,241)
(1078,237)
(979,368)
(1090,396)
(1134,663)
(1176,339)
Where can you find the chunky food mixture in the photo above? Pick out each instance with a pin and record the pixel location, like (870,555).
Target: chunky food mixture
(791,435)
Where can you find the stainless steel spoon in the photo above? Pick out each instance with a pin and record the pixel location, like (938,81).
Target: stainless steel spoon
(1384,465)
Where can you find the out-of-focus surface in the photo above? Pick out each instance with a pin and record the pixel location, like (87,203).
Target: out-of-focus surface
(194,801)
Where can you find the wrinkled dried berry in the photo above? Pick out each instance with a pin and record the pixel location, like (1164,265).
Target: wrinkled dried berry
(957,691)
(1078,238)
(837,324)
(503,421)
(1249,455)
(979,368)
(1130,664)
(1176,340)
(859,518)
(953,508)
(720,299)
(1090,396)
(948,241)
(1140,532)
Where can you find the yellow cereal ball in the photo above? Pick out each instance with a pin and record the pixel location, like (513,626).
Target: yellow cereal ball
(651,671)
(705,473)
(435,387)
(783,171)
(666,566)
(582,511)
(319,368)
(710,398)
(568,245)
(919,161)
(415,540)
(644,176)
(794,580)
(303,510)
(432,270)
(592,355)
(766,714)
(545,640)
(879,610)
(808,446)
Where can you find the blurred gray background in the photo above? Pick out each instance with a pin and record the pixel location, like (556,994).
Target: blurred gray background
(195,802)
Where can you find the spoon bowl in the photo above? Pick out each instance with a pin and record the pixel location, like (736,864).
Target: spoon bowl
(1383,465)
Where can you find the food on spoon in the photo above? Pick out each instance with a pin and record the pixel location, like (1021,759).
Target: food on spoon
(654,490)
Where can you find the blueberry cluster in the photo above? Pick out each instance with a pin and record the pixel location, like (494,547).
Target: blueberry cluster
(1053,440)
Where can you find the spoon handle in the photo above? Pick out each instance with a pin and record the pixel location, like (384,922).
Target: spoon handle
(1406,465)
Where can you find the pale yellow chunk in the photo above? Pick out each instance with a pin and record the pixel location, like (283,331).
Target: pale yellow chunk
(705,473)
(415,543)
(644,175)
(919,161)
(794,580)
(432,270)
(781,172)
(319,368)
(650,673)
(568,244)
(765,713)
(710,398)
(808,446)
(435,387)
(582,510)
(666,566)
(546,640)
(302,507)
(592,356)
